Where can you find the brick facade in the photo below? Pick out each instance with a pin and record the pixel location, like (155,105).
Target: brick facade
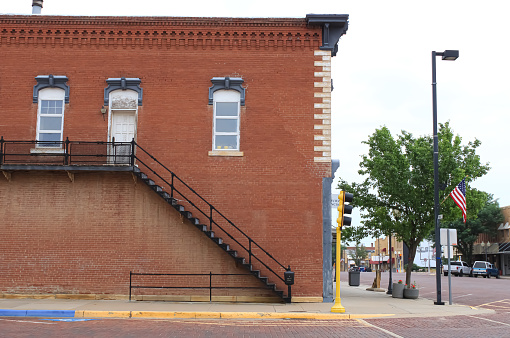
(273,192)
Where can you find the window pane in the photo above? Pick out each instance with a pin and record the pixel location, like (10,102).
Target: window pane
(226,108)
(49,137)
(226,125)
(51,106)
(50,123)
(226,142)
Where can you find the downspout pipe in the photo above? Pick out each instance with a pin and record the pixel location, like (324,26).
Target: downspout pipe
(327,258)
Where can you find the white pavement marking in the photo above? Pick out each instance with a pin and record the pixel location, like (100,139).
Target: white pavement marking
(469,294)
(26,321)
(380,328)
(490,320)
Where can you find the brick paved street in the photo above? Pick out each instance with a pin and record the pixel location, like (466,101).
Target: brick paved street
(497,325)
(12,327)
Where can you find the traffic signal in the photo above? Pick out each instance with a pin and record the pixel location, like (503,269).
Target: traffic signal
(344,197)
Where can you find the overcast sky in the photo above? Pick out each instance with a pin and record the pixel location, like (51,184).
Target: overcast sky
(382,72)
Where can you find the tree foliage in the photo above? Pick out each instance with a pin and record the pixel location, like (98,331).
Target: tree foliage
(486,222)
(358,254)
(397,192)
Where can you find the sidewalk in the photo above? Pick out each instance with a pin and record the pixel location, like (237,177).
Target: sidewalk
(358,303)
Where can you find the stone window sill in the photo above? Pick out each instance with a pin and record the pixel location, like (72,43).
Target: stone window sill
(47,150)
(235,153)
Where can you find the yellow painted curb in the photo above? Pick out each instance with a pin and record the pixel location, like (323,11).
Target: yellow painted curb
(162,314)
(95,314)
(224,315)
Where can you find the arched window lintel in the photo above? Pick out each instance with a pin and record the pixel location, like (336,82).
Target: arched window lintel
(51,81)
(228,83)
(123,84)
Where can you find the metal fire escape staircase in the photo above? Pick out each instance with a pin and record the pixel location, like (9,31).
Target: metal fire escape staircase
(170,187)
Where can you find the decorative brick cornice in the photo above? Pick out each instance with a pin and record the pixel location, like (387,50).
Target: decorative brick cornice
(159,31)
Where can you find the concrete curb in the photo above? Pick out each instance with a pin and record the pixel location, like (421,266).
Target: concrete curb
(37,313)
(182,315)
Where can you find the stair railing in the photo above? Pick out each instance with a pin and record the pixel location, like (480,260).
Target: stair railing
(174,191)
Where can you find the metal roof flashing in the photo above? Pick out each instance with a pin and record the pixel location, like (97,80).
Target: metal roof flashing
(333,27)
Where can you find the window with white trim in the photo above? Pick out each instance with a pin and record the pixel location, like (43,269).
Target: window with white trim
(226,120)
(50,117)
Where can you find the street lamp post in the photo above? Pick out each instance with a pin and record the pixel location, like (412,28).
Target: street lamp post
(390,290)
(446,55)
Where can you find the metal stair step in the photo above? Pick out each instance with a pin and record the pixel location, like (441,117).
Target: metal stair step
(209,233)
(218,240)
(232,253)
(225,246)
(194,221)
(178,207)
(256,273)
(202,227)
(240,260)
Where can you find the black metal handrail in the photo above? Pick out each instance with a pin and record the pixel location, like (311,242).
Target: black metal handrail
(210,286)
(125,153)
(212,222)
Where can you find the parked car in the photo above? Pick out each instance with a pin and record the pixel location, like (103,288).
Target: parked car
(485,269)
(458,268)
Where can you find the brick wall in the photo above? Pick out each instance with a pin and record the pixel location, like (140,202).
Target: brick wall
(86,236)
(273,192)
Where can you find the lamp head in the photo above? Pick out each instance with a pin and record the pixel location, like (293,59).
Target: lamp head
(103,111)
(450,55)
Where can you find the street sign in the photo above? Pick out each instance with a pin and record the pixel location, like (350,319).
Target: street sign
(335,202)
(453,236)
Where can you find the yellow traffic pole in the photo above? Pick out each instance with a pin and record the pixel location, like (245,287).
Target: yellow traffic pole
(338,306)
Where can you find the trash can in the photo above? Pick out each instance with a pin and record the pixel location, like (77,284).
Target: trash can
(354,277)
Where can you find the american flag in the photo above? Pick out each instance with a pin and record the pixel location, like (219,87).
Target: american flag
(459,197)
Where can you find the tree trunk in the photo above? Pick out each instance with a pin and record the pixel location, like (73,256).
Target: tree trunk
(410,259)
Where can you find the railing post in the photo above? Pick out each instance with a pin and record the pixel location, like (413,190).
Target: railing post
(132,162)
(114,151)
(130,274)
(249,249)
(1,150)
(210,216)
(66,152)
(210,286)
(172,186)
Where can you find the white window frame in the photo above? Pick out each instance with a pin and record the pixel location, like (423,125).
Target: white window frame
(50,94)
(227,96)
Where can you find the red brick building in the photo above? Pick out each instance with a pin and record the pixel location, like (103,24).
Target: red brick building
(238,109)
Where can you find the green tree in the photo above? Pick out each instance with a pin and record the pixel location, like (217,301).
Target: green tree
(358,254)
(397,192)
(486,222)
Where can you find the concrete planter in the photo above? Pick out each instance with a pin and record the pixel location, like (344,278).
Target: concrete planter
(411,293)
(397,290)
